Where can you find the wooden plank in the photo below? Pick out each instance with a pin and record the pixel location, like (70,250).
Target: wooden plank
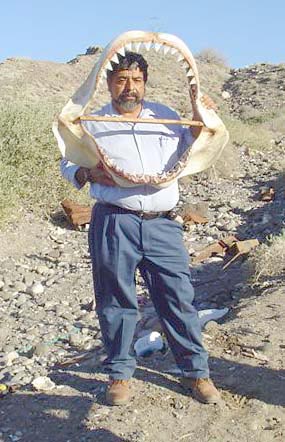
(183,122)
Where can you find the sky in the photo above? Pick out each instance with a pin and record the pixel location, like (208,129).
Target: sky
(244,32)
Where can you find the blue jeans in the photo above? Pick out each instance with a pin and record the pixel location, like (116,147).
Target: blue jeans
(120,243)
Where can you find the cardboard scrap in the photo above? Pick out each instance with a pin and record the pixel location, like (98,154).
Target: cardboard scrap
(240,248)
(77,214)
(267,194)
(229,246)
(243,247)
(218,248)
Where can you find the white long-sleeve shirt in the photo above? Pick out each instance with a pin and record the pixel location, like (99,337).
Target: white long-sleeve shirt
(141,148)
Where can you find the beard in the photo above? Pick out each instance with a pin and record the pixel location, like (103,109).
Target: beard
(128,105)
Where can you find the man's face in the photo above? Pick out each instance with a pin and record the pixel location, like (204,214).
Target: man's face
(127,88)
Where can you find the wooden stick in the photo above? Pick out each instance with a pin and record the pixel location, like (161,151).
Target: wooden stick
(138,120)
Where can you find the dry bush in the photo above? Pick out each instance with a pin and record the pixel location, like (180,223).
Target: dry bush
(254,136)
(29,160)
(277,124)
(211,56)
(268,259)
(252,115)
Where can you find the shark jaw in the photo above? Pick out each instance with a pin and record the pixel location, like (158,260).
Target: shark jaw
(159,42)
(80,147)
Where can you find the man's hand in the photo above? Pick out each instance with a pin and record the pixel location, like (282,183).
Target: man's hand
(95,175)
(99,175)
(206,101)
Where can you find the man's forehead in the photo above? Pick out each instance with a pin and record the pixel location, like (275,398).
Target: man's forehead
(130,72)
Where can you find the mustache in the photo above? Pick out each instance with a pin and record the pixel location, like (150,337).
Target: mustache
(128,94)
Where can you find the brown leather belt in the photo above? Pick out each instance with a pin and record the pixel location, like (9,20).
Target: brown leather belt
(140,213)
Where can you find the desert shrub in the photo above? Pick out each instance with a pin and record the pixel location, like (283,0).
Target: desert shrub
(277,123)
(29,160)
(252,115)
(268,259)
(211,56)
(254,136)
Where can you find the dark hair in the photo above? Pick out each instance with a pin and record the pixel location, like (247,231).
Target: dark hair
(131,60)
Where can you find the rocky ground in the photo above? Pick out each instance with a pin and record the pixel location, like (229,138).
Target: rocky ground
(257,87)
(48,330)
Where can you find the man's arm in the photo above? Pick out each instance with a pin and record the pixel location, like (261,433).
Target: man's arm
(95,175)
(79,176)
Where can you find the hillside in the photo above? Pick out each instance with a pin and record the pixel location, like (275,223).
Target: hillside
(47,326)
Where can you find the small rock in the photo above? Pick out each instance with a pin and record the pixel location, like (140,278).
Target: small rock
(211,327)
(36,289)
(6,296)
(10,357)
(17,378)
(50,282)
(226,95)
(21,299)
(4,332)
(55,254)
(20,286)
(41,349)
(42,270)
(29,279)
(43,383)
(75,339)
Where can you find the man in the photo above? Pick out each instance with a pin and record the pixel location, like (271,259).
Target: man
(132,228)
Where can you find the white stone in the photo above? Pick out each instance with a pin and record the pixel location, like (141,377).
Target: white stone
(43,383)
(42,269)
(9,358)
(36,289)
(226,95)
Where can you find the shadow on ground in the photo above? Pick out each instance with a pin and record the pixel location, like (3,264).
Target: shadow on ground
(62,417)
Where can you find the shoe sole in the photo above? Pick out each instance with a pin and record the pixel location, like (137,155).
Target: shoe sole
(117,402)
(203,400)
(196,396)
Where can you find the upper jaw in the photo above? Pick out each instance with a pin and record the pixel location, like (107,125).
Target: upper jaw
(138,40)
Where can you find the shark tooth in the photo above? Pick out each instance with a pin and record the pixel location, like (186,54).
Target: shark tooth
(109,66)
(121,51)
(129,46)
(173,51)
(137,46)
(180,57)
(185,66)
(193,81)
(104,74)
(147,45)
(157,47)
(166,49)
(115,59)
(190,73)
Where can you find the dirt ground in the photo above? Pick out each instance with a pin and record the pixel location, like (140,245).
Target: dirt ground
(247,364)
(246,347)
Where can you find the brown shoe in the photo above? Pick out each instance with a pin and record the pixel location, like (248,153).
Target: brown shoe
(118,392)
(202,389)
